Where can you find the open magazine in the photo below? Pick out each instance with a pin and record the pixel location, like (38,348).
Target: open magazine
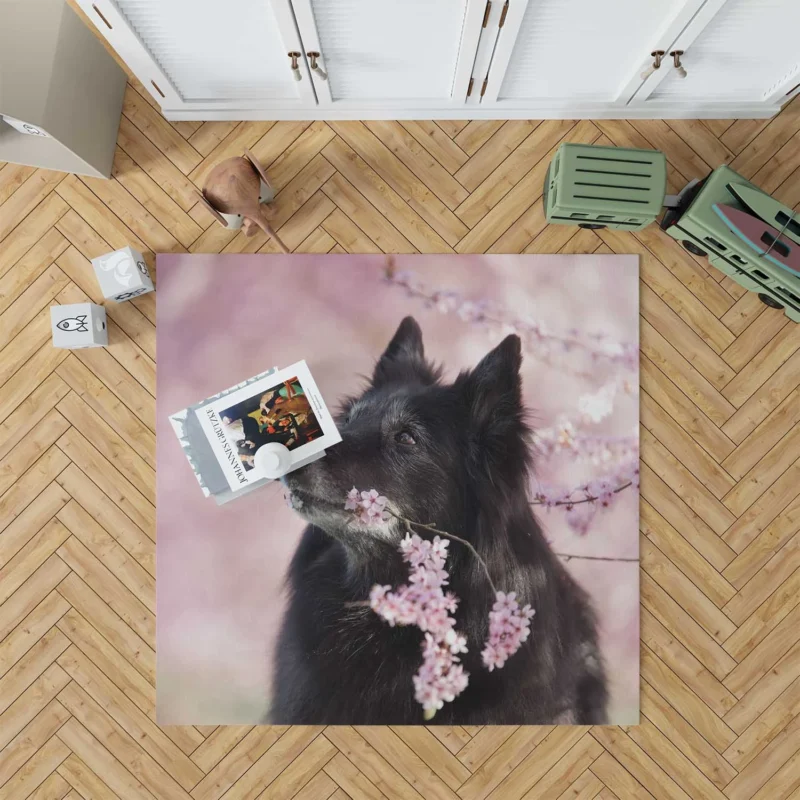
(223,434)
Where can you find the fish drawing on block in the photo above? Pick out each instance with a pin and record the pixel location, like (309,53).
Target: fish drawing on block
(77,324)
(761,237)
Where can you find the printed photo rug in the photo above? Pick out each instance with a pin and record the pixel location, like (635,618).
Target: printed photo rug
(466,554)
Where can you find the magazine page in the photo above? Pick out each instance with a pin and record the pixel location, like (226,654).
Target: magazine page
(284,407)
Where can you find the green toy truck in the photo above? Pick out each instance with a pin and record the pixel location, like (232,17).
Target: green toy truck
(611,187)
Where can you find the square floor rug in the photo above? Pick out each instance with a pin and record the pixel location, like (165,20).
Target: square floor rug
(466,554)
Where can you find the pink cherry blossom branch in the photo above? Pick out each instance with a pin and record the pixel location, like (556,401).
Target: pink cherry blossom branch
(599,493)
(546,345)
(424,603)
(567,556)
(570,556)
(543,501)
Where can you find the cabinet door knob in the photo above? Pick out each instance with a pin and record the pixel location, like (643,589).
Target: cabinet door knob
(294,55)
(315,68)
(676,58)
(657,56)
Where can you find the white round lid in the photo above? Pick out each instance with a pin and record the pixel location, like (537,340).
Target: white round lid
(273,459)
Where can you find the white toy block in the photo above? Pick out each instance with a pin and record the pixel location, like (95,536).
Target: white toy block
(122,274)
(79,325)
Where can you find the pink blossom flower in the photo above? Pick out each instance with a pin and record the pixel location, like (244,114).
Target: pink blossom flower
(456,642)
(450,602)
(509,627)
(369,507)
(353,499)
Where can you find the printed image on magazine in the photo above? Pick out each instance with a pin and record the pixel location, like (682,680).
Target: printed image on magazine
(285,407)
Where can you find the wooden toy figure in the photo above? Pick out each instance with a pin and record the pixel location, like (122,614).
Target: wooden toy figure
(235,191)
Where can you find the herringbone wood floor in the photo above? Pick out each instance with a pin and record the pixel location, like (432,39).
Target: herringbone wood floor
(720,505)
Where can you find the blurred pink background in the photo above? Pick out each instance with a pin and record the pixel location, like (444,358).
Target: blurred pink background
(222,319)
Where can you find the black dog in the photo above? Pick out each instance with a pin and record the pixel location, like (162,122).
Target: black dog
(456,456)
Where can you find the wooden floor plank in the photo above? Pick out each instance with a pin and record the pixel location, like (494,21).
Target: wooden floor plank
(39,767)
(31,738)
(99,760)
(676,584)
(114,522)
(437,143)
(235,763)
(31,629)
(686,666)
(392,189)
(153,198)
(84,782)
(30,230)
(493,152)
(106,549)
(351,782)
(109,587)
(130,719)
(475,133)
(502,762)
(686,702)
(78,449)
(419,161)
(32,192)
(136,108)
(683,555)
(689,743)
(12,176)
(26,598)
(150,159)
(112,626)
(643,768)
(18,279)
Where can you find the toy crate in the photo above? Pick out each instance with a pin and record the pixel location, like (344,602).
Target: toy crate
(702,232)
(605,187)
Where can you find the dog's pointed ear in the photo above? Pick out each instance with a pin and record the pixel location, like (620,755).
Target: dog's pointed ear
(492,393)
(406,342)
(404,357)
(495,386)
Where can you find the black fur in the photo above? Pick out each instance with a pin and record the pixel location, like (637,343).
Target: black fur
(468,472)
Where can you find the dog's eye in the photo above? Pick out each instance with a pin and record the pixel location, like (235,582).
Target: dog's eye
(404,437)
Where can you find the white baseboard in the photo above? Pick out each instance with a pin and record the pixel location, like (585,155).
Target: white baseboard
(648,111)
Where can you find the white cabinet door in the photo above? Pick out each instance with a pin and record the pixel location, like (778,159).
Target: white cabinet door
(382,54)
(578,54)
(746,51)
(208,54)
